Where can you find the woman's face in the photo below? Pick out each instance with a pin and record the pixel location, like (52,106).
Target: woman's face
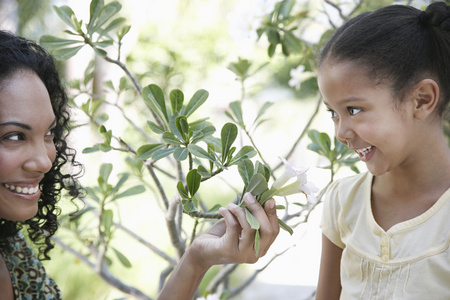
(27,150)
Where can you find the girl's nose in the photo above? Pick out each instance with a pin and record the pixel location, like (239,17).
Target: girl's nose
(40,158)
(344,132)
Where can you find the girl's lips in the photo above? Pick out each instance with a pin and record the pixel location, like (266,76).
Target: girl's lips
(365,153)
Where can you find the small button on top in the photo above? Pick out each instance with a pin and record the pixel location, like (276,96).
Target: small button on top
(385,258)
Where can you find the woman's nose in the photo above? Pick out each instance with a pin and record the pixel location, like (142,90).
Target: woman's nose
(40,158)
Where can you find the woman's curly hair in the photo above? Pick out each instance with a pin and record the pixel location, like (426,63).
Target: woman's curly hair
(20,54)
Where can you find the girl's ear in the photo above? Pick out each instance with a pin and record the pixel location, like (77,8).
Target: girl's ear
(426,97)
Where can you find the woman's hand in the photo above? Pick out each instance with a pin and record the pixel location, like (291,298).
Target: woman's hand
(230,240)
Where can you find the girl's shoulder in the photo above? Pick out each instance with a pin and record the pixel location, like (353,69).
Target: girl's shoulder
(344,188)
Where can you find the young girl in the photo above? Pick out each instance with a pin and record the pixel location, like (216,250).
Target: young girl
(34,158)
(385,78)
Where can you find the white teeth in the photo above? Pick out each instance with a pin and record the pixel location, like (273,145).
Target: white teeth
(22,190)
(364,151)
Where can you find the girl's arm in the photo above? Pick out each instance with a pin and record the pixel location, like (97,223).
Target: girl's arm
(329,286)
(230,240)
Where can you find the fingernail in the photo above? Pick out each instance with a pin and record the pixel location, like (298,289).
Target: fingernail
(249,198)
(232,205)
(270,203)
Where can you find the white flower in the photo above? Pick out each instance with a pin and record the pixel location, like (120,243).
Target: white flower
(289,172)
(210,297)
(307,188)
(301,184)
(248,17)
(298,76)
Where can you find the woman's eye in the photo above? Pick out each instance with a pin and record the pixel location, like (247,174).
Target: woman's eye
(353,110)
(15,137)
(51,132)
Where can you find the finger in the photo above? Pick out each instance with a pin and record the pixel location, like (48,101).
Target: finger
(233,228)
(267,229)
(270,236)
(248,234)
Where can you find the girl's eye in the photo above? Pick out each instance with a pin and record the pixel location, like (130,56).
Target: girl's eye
(354,111)
(333,113)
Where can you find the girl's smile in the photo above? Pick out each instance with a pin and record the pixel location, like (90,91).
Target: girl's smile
(367,117)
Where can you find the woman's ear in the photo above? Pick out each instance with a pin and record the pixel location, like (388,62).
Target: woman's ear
(426,97)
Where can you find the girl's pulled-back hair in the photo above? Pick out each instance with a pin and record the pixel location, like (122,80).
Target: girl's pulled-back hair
(398,44)
(20,54)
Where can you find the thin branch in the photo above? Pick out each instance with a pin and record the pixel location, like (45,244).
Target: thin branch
(158,184)
(220,276)
(175,237)
(303,133)
(163,276)
(104,273)
(152,247)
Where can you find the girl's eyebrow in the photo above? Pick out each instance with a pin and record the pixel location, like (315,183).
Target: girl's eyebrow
(24,126)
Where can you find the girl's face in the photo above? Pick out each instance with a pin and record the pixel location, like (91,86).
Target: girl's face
(26,144)
(367,118)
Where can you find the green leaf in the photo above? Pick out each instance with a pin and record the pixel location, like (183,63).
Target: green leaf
(67,15)
(193,180)
(66,53)
(228,136)
(245,152)
(257,185)
(203,172)
(285,227)
(154,98)
(122,258)
(95,8)
(155,128)
(114,24)
(200,152)
(182,190)
(105,171)
(203,133)
(262,110)
(196,101)
(162,153)
(51,42)
(183,127)
(170,138)
(138,189)
(189,206)
(262,169)
(257,242)
(107,221)
(180,153)
(106,13)
(146,151)
(267,195)
(251,219)
(246,170)
(176,100)
(236,108)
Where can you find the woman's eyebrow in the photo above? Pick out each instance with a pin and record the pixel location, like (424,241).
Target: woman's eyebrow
(12,123)
(24,126)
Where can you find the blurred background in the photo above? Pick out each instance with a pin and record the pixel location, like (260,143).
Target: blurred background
(189,44)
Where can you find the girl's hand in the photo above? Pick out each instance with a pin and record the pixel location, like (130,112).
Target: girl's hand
(231,240)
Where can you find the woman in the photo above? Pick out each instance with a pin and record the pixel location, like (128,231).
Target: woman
(34,161)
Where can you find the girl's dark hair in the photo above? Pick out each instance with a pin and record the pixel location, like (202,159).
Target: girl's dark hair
(20,54)
(398,44)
